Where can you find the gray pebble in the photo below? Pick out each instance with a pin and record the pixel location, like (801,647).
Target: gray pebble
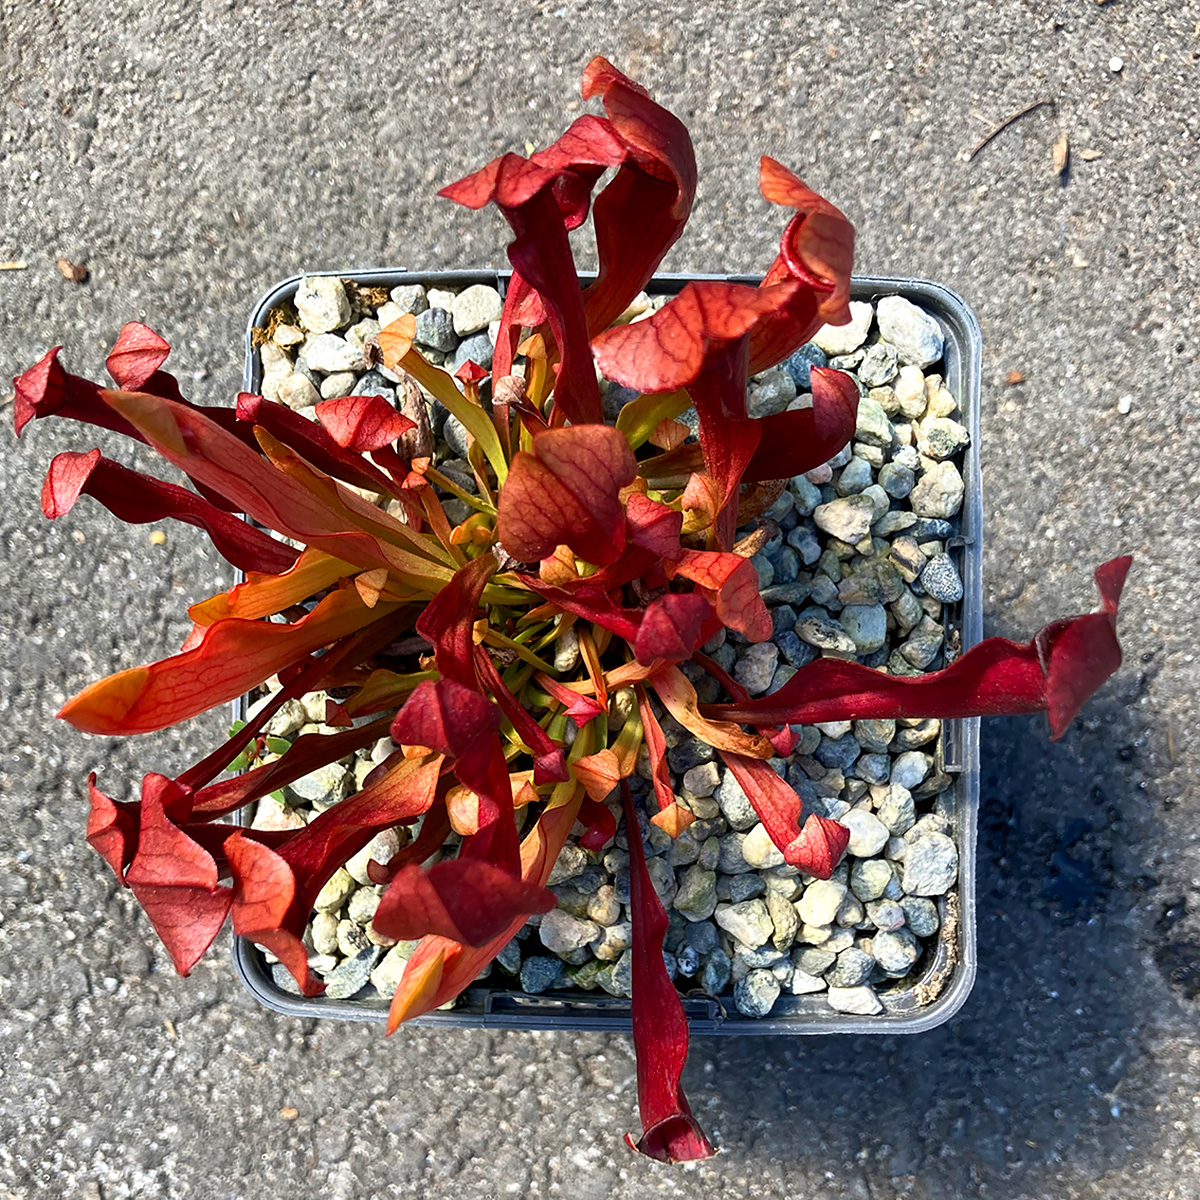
(735,807)
(869,878)
(715,977)
(322,303)
(561,933)
(748,922)
(853,967)
(868,835)
(801,363)
(696,898)
(856,475)
(540,973)
(916,335)
(435,328)
(352,975)
(861,1001)
(838,753)
(687,961)
(744,887)
(896,951)
(921,915)
(509,958)
(477,348)
(703,937)
(930,865)
(896,480)
(940,579)
(879,365)
(866,625)
(813,960)
(755,995)
(371,383)
(886,915)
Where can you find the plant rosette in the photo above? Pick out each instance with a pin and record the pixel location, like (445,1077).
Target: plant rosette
(540,627)
(748,936)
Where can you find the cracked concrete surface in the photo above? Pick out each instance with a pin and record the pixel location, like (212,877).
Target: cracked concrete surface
(194,153)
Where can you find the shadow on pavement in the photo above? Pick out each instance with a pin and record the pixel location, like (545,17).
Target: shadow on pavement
(1026,1080)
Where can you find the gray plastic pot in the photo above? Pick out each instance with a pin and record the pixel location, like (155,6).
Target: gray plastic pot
(949,974)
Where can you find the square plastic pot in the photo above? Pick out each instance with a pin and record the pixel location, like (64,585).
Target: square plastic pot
(949,972)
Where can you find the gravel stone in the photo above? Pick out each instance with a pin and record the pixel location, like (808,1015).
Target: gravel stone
(755,995)
(387,975)
(785,920)
(886,915)
(329,354)
(879,366)
(475,308)
(868,835)
(849,518)
(921,915)
(372,383)
(702,780)
(759,851)
(572,859)
(738,888)
(897,810)
(856,475)
(896,480)
(562,933)
(803,984)
(939,492)
(324,933)
(540,973)
(337,385)
(816,627)
(873,426)
(940,437)
(930,865)
(326,785)
(799,366)
(297,392)
(715,977)
(838,753)
(322,303)
(351,976)
(861,1001)
(896,951)
(602,906)
(613,941)
(940,579)
(735,807)
(361,907)
(770,393)
(845,339)
(335,892)
(380,849)
(748,922)
(854,966)
(821,900)
(477,348)
(756,667)
(696,898)
(410,297)
(435,329)
(916,335)
(866,625)
(909,768)
(869,879)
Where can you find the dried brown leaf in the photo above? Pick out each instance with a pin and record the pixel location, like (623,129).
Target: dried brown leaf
(1062,154)
(1090,155)
(72,272)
